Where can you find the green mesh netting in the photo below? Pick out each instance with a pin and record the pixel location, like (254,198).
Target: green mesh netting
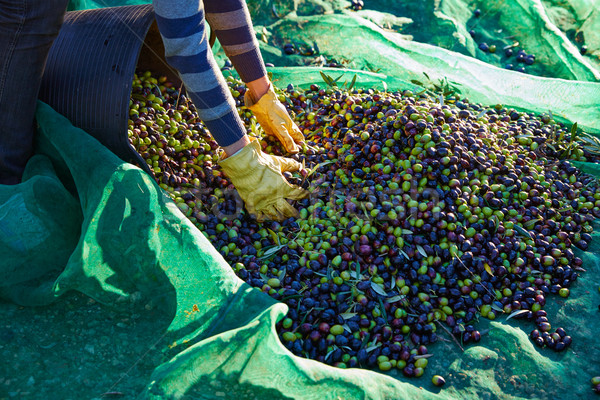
(84,221)
(120,241)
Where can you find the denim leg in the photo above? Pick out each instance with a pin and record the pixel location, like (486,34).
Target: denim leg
(27,30)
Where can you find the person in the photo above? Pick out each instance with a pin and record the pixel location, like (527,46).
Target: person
(28,30)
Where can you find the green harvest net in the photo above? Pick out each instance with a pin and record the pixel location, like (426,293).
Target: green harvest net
(170,320)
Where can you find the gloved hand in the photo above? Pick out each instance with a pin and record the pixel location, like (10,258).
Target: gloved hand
(259,181)
(275,120)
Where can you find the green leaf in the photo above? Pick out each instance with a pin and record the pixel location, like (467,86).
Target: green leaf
(573,132)
(531,223)
(328,80)
(373,347)
(334,348)
(487,267)
(336,80)
(271,251)
(281,274)
(395,298)
(275,13)
(383,313)
(417,82)
(516,313)
(422,251)
(274,237)
(496,308)
(377,288)
(352,82)
(522,232)
(365,340)
(316,167)
(348,315)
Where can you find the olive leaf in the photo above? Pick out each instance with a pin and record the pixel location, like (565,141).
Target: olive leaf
(270,251)
(383,313)
(275,13)
(404,254)
(281,274)
(326,78)
(536,272)
(573,132)
(347,328)
(423,356)
(395,298)
(365,340)
(377,288)
(488,269)
(139,97)
(334,348)
(422,251)
(316,167)
(373,347)
(522,232)
(516,314)
(352,82)
(348,315)
(293,296)
(497,308)
(531,223)
(274,237)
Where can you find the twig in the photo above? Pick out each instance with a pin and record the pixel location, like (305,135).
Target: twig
(451,335)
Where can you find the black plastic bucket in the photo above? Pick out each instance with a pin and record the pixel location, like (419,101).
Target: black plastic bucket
(89,72)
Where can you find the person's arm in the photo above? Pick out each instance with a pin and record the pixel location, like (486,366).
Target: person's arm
(257,176)
(183,28)
(230,20)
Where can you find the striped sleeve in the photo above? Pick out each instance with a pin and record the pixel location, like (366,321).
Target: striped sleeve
(230,19)
(182,26)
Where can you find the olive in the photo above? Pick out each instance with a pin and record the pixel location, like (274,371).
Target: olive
(438,380)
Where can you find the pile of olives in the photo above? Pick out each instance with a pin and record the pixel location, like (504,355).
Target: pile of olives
(425,213)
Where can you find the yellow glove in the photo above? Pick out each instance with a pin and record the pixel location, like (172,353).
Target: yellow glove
(275,120)
(259,181)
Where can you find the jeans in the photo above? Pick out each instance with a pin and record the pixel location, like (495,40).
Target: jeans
(27,30)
